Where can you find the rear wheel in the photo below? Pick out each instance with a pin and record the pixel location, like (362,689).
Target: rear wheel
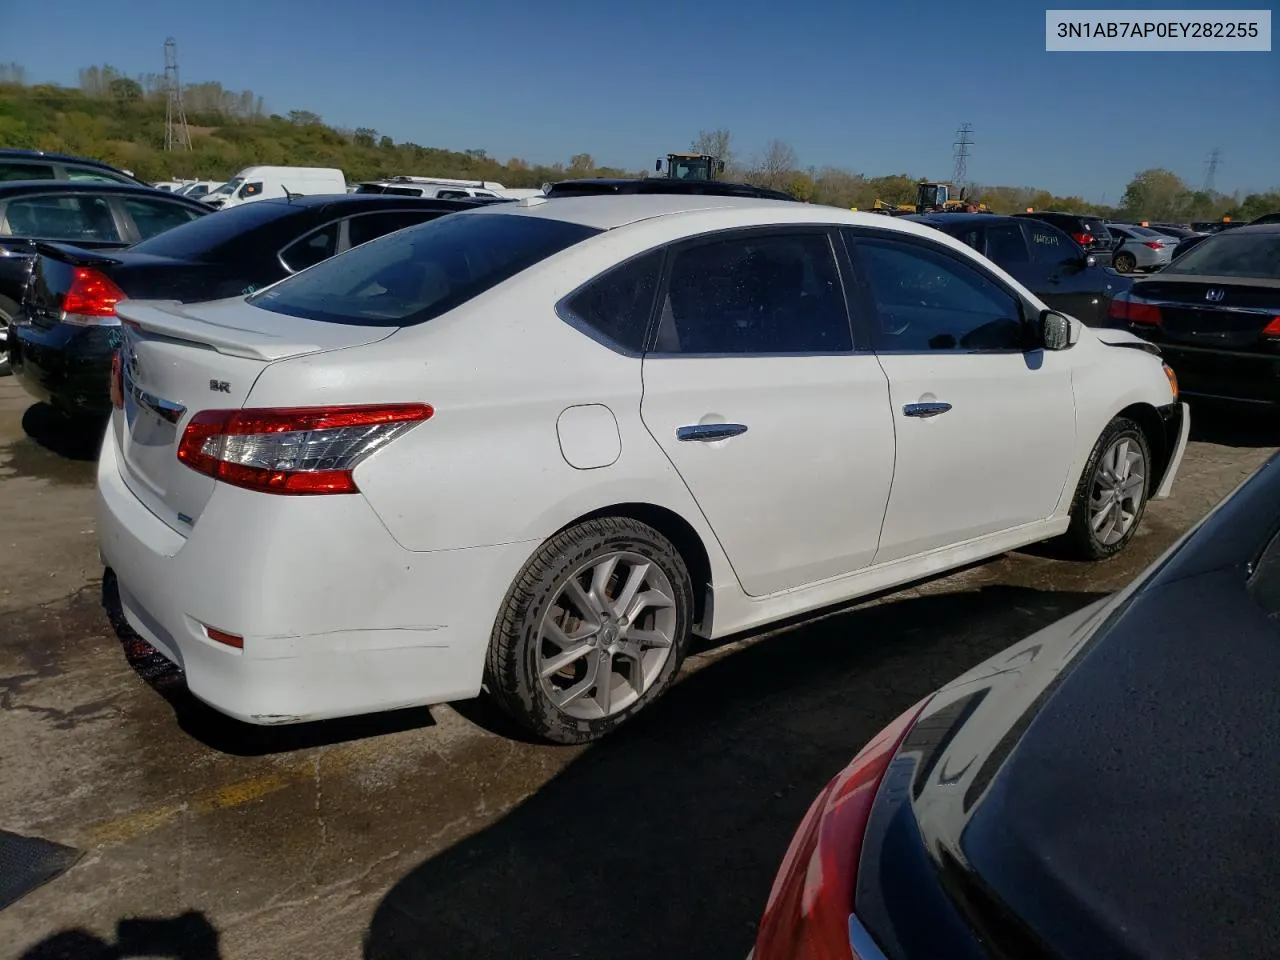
(1124,262)
(594,628)
(7,311)
(1112,494)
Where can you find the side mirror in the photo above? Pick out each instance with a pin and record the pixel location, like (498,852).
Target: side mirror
(1055,330)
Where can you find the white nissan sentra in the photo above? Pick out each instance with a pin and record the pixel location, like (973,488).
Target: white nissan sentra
(533,447)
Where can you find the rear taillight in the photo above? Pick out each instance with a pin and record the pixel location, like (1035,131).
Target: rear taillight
(117,380)
(1084,239)
(1153,244)
(305,450)
(91,300)
(1272,329)
(1132,311)
(807,917)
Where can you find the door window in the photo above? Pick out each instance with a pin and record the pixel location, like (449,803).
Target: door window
(755,294)
(93,176)
(155,216)
(26,171)
(69,218)
(1005,244)
(615,307)
(1049,245)
(369,226)
(927,300)
(311,249)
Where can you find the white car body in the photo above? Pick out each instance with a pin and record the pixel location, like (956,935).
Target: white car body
(264,183)
(385,599)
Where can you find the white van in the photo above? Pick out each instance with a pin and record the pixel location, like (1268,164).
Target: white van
(262,183)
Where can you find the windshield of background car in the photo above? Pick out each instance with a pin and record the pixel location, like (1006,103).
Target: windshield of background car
(411,276)
(228,188)
(1232,255)
(203,238)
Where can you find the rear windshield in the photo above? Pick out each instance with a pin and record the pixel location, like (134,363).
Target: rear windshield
(408,277)
(1232,255)
(202,238)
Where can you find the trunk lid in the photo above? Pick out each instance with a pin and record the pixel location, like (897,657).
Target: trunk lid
(1217,313)
(177,360)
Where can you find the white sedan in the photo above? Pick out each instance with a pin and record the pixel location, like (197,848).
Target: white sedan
(533,447)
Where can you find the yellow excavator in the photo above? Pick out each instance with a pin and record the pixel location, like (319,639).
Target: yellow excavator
(690,166)
(930,195)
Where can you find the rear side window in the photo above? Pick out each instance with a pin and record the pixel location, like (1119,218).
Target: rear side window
(69,218)
(615,307)
(95,176)
(1049,245)
(369,226)
(309,250)
(26,171)
(410,276)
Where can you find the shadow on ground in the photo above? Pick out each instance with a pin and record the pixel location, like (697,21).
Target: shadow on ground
(189,936)
(1234,425)
(220,732)
(663,840)
(71,439)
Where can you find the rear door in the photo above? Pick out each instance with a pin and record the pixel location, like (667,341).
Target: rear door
(985,428)
(778,426)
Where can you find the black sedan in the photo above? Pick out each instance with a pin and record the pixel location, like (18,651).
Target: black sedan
(1104,789)
(1041,257)
(96,214)
(66,330)
(1215,314)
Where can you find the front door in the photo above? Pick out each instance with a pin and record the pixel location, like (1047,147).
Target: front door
(778,427)
(985,428)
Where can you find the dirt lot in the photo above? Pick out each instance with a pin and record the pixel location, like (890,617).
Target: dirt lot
(435,834)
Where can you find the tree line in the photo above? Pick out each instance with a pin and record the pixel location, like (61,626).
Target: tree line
(121,119)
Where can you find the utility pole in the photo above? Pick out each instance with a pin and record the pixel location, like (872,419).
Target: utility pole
(1214,161)
(176,134)
(963,141)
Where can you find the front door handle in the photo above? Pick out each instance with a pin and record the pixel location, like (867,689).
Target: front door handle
(925,410)
(706,432)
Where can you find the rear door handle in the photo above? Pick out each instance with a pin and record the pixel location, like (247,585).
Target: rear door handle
(706,432)
(925,410)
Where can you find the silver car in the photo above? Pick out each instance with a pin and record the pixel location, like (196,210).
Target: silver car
(1140,248)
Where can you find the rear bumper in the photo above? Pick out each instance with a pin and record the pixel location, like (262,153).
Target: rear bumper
(1224,374)
(64,365)
(337,618)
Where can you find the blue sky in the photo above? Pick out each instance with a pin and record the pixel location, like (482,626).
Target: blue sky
(877,87)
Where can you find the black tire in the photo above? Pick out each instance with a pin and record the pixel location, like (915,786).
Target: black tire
(7,311)
(511,672)
(1124,262)
(1080,540)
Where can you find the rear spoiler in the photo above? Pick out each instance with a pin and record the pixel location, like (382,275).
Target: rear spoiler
(76,256)
(169,319)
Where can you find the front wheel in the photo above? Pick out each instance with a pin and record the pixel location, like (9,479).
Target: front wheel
(594,628)
(1112,494)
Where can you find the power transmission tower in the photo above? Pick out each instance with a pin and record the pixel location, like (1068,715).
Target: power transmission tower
(964,140)
(1214,161)
(176,134)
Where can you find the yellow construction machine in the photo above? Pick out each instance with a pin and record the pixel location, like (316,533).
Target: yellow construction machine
(690,166)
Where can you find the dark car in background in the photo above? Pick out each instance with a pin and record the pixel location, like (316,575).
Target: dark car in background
(1039,256)
(38,165)
(1089,232)
(67,328)
(1215,315)
(1104,789)
(600,186)
(95,214)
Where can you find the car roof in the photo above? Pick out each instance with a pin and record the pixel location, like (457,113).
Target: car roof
(313,200)
(20,187)
(609,211)
(959,217)
(17,153)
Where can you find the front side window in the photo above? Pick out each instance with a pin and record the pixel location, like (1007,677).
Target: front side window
(757,294)
(26,171)
(153,217)
(369,226)
(413,275)
(1049,245)
(615,307)
(311,249)
(927,300)
(68,218)
(251,189)
(95,176)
